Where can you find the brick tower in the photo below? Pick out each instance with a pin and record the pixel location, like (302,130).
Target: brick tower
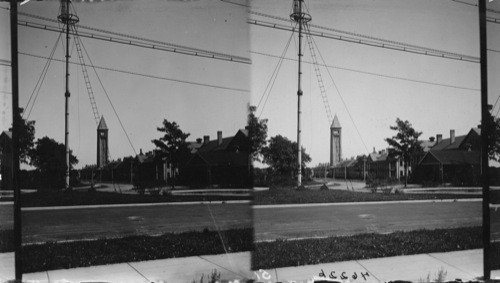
(335,142)
(102,143)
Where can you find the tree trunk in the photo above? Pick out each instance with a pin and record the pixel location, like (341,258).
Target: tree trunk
(406,173)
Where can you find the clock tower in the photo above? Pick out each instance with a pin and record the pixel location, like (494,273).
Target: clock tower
(102,143)
(335,142)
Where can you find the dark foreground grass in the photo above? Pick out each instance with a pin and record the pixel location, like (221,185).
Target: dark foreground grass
(6,241)
(282,253)
(290,195)
(62,198)
(52,256)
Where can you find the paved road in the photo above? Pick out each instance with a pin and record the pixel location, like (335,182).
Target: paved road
(320,221)
(91,223)
(269,223)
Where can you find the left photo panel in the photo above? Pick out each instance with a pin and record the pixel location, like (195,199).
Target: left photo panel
(133,142)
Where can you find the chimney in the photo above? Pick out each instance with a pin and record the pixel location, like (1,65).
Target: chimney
(206,139)
(374,150)
(439,138)
(452,136)
(219,137)
(140,151)
(198,140)
(431,139)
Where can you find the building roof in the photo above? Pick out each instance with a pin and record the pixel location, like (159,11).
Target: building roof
(452,157)
(213,145)
(102,124)
(335,123)
(226,153)
(7,133)
(445,144)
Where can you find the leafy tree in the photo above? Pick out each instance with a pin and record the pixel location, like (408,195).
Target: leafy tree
(405,144)
(49,157)
(257,131)
(173,143)
(281,156)
(493,124)
(26,137)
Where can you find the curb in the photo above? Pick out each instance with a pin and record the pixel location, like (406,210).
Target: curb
(362,203)
(131,205)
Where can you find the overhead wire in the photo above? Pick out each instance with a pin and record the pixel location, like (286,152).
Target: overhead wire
(341,98)
(371,73)
(372,38)
(109,99)
(475,5)
(142,75)
(447,55)
(274,75)
(41,79)
(138,41)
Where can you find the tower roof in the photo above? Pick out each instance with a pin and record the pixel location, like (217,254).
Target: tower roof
(335,123)
(102,124)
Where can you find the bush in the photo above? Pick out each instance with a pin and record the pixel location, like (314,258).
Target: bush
(282,253)
(50,256)
(6,241)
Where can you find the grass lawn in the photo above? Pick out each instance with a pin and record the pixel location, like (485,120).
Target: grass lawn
(62,198)
(283,253)
(291,195)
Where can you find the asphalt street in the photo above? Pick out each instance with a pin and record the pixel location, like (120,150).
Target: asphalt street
(269,222)
(291,222)
(118,221)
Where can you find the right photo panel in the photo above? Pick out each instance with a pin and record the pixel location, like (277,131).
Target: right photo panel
(375,131)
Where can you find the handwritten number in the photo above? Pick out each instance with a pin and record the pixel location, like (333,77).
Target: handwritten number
(364,275)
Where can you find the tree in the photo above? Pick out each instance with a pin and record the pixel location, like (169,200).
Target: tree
(281,156)
(49,157)
(173,144)
(493,124)
(257,132)
(26,137)
(405,144)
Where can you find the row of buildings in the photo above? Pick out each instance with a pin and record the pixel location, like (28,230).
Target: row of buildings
(220,162)
(454,160)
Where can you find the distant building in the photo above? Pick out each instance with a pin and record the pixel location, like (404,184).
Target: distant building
(102,144)
(455,160)
(335,142)
(381,166)
(223,162)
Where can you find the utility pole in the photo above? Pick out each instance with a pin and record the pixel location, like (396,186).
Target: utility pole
(67,19)
(484,140)
(301,18)
(16,123)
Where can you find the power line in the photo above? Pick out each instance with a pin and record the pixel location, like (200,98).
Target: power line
(109,99)
(369,37)
(142,75)
(341,98)
(177,46)
(372,73)
(475,5)
(274,76)
(432,53)
(137,43)
(41,79)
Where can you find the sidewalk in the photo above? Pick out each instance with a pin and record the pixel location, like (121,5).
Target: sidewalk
(465,265)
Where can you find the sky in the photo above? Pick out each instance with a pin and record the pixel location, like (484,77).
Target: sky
(370,103)
(374,102)
(141,103)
